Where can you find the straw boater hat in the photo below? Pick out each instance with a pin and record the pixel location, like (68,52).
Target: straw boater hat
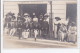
(46,15)
(57,18)
(26,14)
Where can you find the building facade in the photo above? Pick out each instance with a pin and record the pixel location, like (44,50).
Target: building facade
(60,9)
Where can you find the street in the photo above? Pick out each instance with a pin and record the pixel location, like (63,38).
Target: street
(14,42)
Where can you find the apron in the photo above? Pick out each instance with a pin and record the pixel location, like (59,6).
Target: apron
(25,34)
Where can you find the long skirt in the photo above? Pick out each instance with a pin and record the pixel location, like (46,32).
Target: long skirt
(72,37)
(61,36)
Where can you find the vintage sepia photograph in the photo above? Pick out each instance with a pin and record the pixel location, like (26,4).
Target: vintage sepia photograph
(40,24)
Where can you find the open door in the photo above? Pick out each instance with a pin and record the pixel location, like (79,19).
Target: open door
(32,8)
(71,12)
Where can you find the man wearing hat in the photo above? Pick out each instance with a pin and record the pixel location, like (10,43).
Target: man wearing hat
(27,21)
(40,24)
(19,29)
(56,26)
(45,27)
(35,21)
(8,21)
(46,18)
(35,26)
(19,26)
(27,17)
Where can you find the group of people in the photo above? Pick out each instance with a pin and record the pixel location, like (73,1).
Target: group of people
(26,26)
(65,31)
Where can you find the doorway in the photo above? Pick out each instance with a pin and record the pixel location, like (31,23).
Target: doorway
(32,8)
(71,12)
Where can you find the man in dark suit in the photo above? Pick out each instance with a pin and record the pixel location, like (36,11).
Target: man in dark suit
(19,26)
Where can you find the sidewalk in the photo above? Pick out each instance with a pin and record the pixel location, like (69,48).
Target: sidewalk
(43,42)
